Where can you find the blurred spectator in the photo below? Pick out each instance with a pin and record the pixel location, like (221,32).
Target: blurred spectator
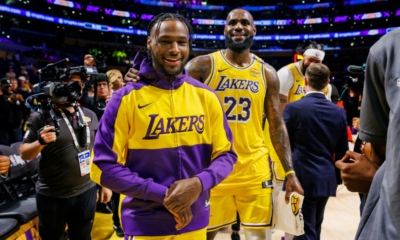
(11,110)
(10,73)
(115,77)
(24,86)
(14,84)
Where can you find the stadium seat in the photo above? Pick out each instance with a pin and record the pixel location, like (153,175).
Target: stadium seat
(9,226)
(21,210)
(7,151)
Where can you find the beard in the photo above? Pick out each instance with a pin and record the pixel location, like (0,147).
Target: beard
(238,47)
(304,68)
(171,72)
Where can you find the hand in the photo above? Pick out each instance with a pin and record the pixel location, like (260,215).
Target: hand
(356,123)
(182,194)
(131,76)
(105,195)
(89,60)
(13,97)
(108,99)
(183,218)
(19,97)
(47,136)
(292,185)
(4,164)
(357,172)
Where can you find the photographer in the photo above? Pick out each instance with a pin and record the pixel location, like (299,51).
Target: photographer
(11,113)
(65,193)
(102,95)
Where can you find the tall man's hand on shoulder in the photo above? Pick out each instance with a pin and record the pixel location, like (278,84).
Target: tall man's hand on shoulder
(131,76)
(278,131)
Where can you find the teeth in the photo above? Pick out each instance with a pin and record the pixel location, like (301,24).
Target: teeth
(172,59)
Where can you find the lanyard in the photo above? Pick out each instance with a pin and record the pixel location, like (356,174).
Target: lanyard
(72,130)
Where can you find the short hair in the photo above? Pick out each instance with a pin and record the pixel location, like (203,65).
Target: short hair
(113,75)
(318,76)
(242,9)
(165,17)
(314,45)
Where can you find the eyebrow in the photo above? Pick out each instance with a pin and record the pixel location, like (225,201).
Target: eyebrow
(168,36)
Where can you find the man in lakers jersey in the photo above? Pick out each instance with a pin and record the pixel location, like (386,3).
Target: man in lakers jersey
(292,88)
(247,87)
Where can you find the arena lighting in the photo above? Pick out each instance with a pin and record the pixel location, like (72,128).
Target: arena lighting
(106,28)
(356,2)
(221,22)
(371,15)
(311,6)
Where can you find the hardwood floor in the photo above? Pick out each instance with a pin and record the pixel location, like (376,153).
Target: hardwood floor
(342,216)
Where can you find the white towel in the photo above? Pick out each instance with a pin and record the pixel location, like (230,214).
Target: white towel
(289,217)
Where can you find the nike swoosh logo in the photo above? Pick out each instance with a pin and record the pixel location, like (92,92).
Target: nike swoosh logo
(140,107)
(222,70)
(297,80)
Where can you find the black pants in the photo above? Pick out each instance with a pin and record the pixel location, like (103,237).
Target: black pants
(115,202)
(313,214)
(55,213)
(9,136)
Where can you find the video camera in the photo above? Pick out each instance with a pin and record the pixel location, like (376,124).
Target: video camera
(354,83)
(52,93)
(52,90)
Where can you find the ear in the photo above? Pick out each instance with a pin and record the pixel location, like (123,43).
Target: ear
(305,81)
(225,31)
(254,29)
(149,43)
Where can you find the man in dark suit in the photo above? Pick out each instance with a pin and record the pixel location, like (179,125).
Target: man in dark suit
(317,130)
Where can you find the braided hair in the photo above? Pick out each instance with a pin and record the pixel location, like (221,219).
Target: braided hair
(157,20)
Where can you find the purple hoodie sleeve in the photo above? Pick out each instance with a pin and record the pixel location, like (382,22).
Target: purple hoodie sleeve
(223,156)
(109,152)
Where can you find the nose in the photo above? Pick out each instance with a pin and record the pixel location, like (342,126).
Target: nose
(174,49)
(238,27)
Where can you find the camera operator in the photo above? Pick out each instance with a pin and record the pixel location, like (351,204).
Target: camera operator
(102,95)
(65,193)
(11,113)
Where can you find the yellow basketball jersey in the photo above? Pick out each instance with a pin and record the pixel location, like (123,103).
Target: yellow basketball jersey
(297,91)
(242,92)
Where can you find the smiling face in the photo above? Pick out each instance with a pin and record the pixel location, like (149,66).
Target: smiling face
(239,30)
(170,50)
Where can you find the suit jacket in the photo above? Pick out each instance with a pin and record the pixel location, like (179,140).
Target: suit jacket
(317,129)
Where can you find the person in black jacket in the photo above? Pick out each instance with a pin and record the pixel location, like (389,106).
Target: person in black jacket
(11,113)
